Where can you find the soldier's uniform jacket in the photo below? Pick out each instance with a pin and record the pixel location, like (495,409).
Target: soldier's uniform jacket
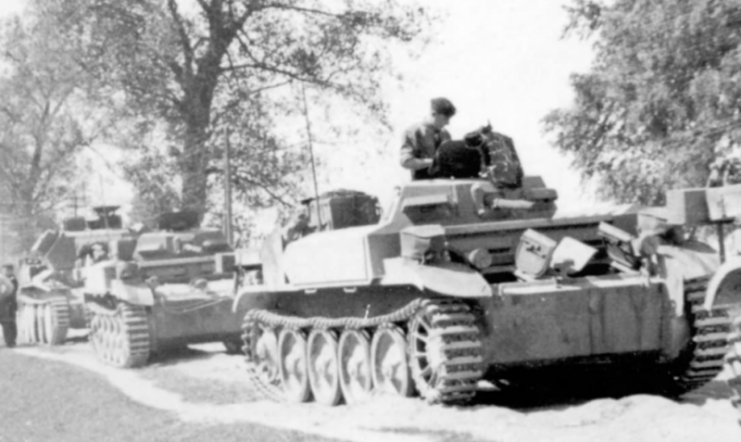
(7,298)
(421,141)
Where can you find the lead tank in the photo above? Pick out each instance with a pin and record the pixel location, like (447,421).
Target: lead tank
(463,281)
(163,290)
(51,275)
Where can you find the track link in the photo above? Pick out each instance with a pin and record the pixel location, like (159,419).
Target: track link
(121,337)
(452,320)
(710,329)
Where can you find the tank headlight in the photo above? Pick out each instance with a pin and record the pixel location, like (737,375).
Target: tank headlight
(480,258)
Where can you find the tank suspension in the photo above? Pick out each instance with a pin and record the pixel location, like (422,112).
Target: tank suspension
(377,348)
(710,329)
(43,321)
(121,337)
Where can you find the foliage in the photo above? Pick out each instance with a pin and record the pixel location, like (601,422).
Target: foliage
(202,66)
(661,101)
(44,120)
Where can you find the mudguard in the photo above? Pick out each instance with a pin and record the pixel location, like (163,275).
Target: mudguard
(451,279)
(133,293)
(689,261)
(724,288)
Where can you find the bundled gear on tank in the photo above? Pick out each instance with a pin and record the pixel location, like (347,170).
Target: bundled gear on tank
(501,164)
(456,159)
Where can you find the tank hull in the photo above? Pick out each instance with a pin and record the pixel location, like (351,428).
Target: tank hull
(529,330)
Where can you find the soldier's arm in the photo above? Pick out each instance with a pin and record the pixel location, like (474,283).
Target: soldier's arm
(409,153)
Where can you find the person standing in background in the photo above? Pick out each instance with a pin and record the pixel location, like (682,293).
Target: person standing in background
(8,305)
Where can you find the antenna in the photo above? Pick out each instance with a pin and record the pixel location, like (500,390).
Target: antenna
(311,154)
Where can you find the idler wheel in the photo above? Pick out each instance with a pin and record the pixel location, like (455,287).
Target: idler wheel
(355,366)
(324,372)
(294,372)
(389,361)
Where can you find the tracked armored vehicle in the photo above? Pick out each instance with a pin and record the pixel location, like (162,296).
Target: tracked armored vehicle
(463,281)
(51,276)
(166,289)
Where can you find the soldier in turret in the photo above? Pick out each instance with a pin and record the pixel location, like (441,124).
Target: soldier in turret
(422,140)
(8,305)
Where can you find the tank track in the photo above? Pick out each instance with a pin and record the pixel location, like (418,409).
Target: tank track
(43,321)
(452,319)
(121,337)
(459,346)
(709,346)
(733,362)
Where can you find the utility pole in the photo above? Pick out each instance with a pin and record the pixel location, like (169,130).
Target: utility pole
(228,190)
(311,155)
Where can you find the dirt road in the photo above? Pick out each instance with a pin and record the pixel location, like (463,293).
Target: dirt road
(65,394)
(42,400)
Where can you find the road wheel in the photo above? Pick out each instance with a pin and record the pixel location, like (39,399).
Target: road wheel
(324,373)
(355,366)
(390,371)
(294,372)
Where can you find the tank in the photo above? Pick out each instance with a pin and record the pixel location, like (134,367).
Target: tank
(464,281)
(167,289)
(51,275)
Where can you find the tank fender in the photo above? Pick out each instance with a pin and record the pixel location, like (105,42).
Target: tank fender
(680,263)
(248,300)
(724,288)
(451,279)
(132,292)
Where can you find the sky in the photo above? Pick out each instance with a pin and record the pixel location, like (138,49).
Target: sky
(502,61)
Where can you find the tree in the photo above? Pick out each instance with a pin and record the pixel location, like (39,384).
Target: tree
(661,101)
(43,120)
(201,65)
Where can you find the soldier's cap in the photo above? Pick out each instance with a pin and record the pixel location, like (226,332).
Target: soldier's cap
(442,106)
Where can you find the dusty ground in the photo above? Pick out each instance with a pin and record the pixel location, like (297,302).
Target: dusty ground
(204,386)
(42,400)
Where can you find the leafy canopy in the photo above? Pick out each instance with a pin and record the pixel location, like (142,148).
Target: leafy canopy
(194,68)
(661,100)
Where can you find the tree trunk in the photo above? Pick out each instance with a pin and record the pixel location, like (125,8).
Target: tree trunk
(195,160)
